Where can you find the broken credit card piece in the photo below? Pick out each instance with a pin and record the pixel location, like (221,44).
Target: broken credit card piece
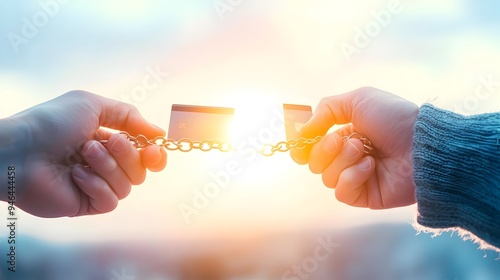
(296,116)
(199,123)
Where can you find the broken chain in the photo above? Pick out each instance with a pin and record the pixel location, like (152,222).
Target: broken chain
(186,145)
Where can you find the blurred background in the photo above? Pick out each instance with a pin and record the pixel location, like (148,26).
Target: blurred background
(273,219)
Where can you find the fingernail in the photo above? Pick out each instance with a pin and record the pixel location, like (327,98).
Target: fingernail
(120,145)
(351,150)
(95,150)
(79,173)
(330,145)
(365,164)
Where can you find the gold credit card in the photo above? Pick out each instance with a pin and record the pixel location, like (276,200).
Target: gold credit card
(296,116)
(200,122)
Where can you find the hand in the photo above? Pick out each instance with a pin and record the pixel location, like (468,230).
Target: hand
(378,181)
(66,171)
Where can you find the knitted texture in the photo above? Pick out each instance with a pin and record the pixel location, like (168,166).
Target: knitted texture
(457,172)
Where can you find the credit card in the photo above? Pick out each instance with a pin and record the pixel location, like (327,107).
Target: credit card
(296,116)
(199,123)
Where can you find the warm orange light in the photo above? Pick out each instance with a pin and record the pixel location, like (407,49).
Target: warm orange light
(258,121)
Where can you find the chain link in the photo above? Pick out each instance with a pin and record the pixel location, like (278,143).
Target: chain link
(367,144)
(285,146)
(186,145)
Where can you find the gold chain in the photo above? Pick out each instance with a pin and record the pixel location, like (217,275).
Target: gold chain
(284,146)
(187,145)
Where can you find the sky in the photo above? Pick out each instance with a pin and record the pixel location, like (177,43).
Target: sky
(253,56)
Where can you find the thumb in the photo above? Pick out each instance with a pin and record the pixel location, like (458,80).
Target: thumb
(123,116)
(332,110)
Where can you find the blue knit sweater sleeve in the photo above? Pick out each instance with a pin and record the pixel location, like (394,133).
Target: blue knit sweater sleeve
(457,172)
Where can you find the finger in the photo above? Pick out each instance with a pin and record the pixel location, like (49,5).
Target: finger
(373,191)
(103,163)
(122,116)
(102,199)
(128,158)
(351,188)
(351,152)
(323,153)
(332,110)
(301,156)
(102,134)
(154,158)
(345,130)
(304,156)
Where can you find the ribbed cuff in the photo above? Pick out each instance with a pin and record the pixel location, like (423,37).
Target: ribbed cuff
(457,172)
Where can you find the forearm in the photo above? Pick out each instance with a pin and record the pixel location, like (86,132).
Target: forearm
(457,172)
(14,139)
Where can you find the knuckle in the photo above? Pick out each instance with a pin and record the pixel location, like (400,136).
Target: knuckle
(366,90)
(325,101)
(75,92)
(79,93)
(131,108)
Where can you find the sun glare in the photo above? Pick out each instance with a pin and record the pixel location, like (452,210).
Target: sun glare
(258,121)
(253,112)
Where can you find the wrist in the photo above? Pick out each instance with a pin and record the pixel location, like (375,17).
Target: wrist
(456,163)
(14,143)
